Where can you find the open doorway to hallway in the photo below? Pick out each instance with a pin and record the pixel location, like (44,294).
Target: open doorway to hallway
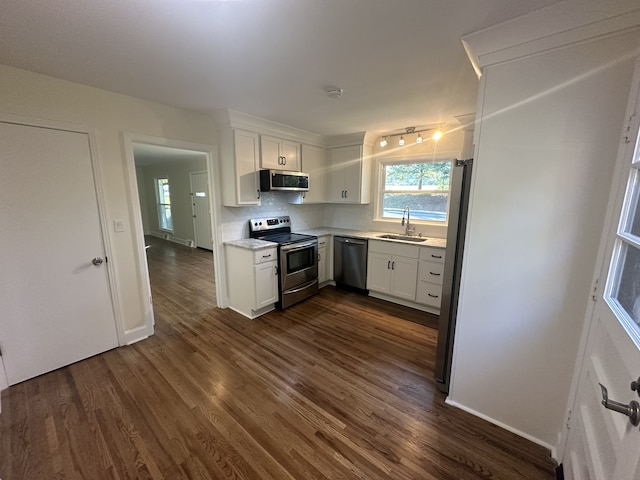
(175,205)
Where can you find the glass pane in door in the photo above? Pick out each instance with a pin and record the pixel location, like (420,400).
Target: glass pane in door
(627,291)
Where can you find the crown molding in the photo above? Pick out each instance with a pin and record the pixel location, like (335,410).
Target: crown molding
(561,24)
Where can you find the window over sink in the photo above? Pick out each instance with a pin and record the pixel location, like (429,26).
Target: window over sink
(423,185)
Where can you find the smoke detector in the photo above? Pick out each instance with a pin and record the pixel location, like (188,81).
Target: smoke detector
(334,92)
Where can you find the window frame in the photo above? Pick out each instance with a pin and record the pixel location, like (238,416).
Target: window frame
(162,207)
(625,240)
(425,158)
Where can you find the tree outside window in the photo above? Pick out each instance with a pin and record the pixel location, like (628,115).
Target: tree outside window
(164,204)
(423,186)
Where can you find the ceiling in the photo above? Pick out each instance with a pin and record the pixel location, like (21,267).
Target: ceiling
(400,62)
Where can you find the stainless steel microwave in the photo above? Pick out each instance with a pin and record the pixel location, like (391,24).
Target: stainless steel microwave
(282,180)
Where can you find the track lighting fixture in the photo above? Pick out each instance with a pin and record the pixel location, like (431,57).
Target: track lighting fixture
(437,135)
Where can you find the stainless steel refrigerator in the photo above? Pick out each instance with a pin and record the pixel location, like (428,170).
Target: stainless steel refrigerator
(458,208)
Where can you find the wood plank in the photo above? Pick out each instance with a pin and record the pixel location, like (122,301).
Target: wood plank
(338,387)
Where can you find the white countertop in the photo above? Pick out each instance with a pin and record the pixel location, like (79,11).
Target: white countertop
(251,244)
(429,242)
(255,244)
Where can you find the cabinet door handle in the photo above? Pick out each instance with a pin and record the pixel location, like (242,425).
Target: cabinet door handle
(345,193)
(284,160)
(258,194)
(393,265)
(433,296)
(389,265)
(436,274)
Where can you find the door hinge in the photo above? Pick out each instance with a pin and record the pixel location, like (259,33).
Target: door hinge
(630,128)
(594,291)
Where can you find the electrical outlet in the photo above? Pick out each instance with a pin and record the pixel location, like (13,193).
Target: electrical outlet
(118,225)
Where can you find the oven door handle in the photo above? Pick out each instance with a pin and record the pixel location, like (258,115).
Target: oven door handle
(299,246)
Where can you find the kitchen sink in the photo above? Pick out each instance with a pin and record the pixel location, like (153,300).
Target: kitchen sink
(406,238)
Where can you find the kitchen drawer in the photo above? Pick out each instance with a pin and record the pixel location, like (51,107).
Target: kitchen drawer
(432,254)
(431,271)
(267,255)
(429,293)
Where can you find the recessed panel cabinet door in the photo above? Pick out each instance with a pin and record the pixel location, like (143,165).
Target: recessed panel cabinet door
(54,288)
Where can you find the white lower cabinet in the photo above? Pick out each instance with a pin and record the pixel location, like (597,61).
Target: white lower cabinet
(406,274)
(325,259)
(392,269)
(430,273)
(252,280)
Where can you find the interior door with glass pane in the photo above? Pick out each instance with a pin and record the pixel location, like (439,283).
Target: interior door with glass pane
(604,440)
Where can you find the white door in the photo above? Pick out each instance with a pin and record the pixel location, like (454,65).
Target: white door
(201,210)
(55,302)
(602,443)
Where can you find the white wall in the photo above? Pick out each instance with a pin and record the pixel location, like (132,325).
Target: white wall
(180,189)
(32,95)
(546,147)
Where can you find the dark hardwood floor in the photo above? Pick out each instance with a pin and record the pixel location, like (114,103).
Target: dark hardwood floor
(332,388)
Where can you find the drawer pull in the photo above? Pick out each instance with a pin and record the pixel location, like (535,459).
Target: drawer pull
(266,256)
(433,296)
(436,256)
(434,273)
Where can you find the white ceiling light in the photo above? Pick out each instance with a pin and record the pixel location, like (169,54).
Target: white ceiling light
(437,135)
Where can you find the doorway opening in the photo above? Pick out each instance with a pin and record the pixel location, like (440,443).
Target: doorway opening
(166,178)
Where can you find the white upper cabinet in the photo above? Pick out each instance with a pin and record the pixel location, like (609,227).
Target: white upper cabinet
(349,175)
(314,165)
(279,154)
(239,160)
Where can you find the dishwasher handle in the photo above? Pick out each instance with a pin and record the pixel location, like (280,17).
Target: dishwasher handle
(349,241)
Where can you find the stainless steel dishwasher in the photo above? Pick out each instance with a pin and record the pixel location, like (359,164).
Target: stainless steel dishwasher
(350,263)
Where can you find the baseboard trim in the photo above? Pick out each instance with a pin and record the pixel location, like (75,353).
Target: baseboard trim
(509,428)
(171,238)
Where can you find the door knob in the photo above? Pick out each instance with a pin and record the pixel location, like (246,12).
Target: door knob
(97,261)
(632,410)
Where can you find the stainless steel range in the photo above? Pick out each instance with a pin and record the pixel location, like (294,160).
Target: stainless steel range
(297,258)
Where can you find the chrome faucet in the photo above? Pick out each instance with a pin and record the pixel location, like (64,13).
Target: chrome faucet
(408,230)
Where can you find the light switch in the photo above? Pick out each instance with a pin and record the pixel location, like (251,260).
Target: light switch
(118,225)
